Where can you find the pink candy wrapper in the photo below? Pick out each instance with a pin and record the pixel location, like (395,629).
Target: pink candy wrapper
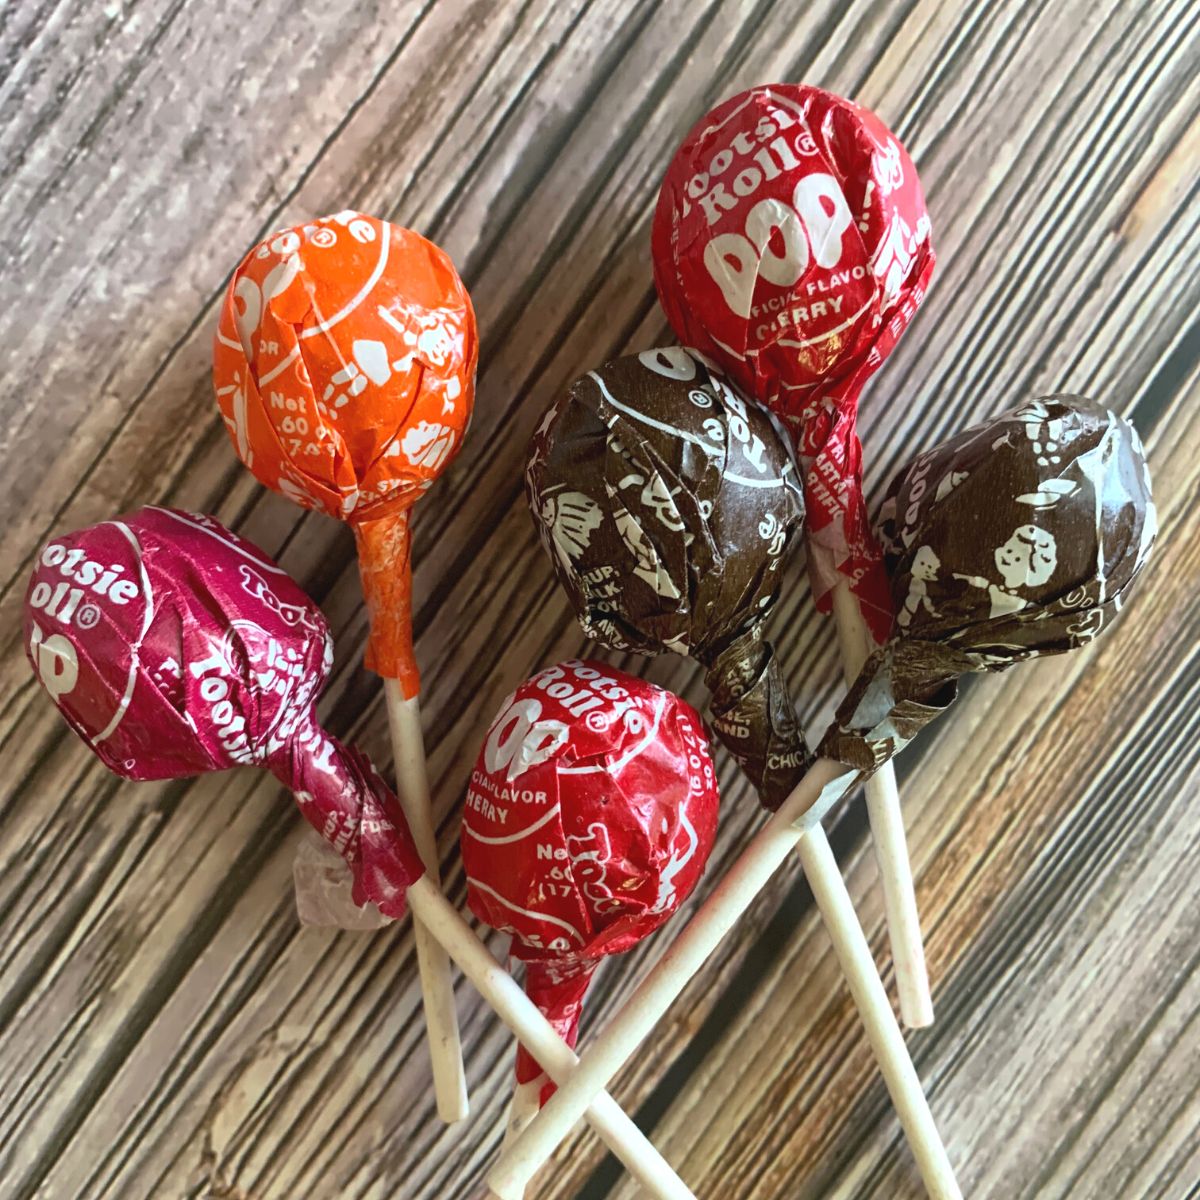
(174,647)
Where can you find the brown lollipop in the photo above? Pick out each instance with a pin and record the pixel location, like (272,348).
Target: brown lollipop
(1017,538)
(667,503)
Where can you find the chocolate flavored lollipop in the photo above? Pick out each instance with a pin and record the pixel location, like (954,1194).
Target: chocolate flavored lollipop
(1017,538)
(173,647)
(590,816)
(1020,537)
(667,503)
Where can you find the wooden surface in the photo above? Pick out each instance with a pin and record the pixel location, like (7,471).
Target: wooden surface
(166,1030)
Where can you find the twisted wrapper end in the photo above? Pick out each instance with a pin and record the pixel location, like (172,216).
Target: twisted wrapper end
(753,715)
(557,987)
(343,798)
(385,564)
(901,688)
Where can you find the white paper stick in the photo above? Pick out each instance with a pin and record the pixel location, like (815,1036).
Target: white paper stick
(538,1036)
(437,983)
(799,817)
(887,832)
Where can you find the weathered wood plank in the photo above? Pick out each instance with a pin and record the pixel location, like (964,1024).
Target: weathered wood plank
(165,1029)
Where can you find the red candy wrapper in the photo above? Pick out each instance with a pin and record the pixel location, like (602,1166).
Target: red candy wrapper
(791,244)
(589,818)
(174,647)
(344,366)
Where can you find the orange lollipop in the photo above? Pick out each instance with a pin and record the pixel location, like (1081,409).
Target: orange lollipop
(344,365)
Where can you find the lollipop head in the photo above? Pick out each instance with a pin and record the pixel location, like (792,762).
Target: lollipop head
(667,503)
(791,243)
(589,818)
(1017,538)
(173,647)
(344,364)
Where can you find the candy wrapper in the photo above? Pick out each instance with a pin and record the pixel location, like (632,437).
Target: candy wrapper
(791,244)
(667,503)
(344,365)
(174,647)
(590,816)
(1017,538)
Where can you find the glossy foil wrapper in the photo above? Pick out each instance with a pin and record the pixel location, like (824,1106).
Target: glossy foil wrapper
(1017,538)
(667,503)
(344,366)
(791,244)
(173,647)
(589,818)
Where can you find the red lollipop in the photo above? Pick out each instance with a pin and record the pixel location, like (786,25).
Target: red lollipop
(792,245)
(590,816)
(173,647)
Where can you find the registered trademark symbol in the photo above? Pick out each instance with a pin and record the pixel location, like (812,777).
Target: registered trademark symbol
(88,617)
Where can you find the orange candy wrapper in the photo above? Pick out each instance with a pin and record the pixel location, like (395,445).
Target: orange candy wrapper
(344,365)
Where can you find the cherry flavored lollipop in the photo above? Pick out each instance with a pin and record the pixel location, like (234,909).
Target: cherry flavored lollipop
(792,244)
(344,365)
(589,819)
(173,647)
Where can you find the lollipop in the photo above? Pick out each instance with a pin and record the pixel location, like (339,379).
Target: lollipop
(173,647)
(1017,538)
(1060,472)
(792,245)
(667,504)
(590,817)
(344,365)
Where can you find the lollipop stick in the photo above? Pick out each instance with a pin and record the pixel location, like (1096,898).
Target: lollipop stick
(538,1036)
(526,1101)
(437,984)
(797,819)
(887,832)
(858,965)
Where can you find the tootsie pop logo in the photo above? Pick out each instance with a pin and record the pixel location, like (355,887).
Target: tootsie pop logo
(67,599)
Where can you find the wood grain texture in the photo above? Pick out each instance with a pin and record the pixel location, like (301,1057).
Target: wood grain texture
(166,1029)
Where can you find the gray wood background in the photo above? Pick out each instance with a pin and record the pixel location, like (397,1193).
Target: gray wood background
(166,1029)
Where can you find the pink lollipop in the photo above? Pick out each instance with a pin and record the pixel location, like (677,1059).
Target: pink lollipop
(173,647)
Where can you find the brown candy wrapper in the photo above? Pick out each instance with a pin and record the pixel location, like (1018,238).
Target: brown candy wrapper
(1017,538)
(753,715)
(667,503)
